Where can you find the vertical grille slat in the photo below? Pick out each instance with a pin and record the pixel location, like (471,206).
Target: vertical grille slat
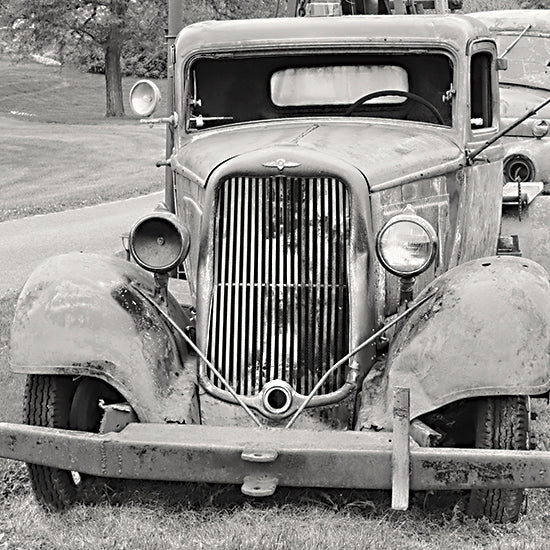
(280,282)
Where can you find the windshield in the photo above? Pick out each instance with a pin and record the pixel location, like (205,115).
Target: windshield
(226,90)
(527,61)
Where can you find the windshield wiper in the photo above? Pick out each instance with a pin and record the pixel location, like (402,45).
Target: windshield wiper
(521,85)
(507,50)
(471,155)
(199,121)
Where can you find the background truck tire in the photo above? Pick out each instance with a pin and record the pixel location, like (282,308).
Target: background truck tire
(502,423)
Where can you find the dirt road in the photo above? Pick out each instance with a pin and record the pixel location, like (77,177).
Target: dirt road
(25,242)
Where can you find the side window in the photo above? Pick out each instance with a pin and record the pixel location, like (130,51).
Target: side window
(480,91)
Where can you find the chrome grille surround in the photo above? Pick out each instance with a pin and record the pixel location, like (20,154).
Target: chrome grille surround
(280,294)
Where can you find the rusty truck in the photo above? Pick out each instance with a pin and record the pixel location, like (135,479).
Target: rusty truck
(333,204)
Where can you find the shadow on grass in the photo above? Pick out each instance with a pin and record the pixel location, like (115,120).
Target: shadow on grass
(178,496)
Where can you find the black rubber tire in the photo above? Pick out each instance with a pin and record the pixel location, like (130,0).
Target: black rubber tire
(50,401)
(502,423)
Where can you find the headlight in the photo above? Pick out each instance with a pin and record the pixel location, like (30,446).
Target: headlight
(518,168)
(144,97)
(406,246)
(159,242)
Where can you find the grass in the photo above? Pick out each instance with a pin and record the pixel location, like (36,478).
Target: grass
(186,516)
(61,95)
(10,384)
(59,150)
(290,526)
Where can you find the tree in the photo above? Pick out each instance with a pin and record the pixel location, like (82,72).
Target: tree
(78,24)
(75,27)
(536,4)
(241,9)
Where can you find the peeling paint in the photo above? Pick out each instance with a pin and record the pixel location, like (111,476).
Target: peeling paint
(473,320)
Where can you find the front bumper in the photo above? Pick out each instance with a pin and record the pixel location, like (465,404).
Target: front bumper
(295,458)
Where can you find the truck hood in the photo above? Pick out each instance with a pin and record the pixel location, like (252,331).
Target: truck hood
(381,150)
(515,101)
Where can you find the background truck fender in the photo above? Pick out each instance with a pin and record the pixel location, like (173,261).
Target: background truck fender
(485,332)
(79,314)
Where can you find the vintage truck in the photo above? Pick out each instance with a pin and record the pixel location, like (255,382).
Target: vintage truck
(333,202)
(523,40)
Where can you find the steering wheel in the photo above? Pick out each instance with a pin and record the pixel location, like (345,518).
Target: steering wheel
(400,93)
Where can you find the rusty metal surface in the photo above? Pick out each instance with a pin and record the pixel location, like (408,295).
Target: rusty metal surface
(395,154)
(475,216)
(536,150)
(451,31)
(216,412)
(532,230)
(439,468)
(401,450)
(486,332)
(516,101)
(515,20)
(208,454)
(361,239)
(79,315)
(462,206)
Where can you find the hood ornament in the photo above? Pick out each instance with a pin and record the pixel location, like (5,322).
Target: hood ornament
(280,164)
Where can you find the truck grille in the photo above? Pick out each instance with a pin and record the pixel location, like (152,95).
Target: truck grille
(280,283)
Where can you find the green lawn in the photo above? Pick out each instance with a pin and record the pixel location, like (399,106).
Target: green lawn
(43,93)
(58,149)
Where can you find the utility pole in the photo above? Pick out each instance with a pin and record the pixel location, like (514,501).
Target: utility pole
(175,19)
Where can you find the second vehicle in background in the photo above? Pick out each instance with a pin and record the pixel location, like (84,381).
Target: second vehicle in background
(523,39)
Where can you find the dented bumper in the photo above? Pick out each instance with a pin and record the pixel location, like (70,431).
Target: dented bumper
(296,458)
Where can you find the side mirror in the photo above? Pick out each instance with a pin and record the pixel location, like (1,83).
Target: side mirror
(502,64)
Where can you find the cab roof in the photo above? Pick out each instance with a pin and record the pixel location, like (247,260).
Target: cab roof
(515,20)
(445,30)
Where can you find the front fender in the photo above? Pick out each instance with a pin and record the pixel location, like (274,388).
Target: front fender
(486,331)
(79,314)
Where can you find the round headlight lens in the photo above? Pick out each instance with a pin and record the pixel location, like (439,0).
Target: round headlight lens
(159,242)
(518,168)
(144,97)
(406,245)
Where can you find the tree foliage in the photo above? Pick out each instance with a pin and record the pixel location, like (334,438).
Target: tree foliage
(112,36)
(536,4)
(76,26)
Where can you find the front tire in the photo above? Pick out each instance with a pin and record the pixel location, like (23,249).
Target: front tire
(60,402)
(502,423)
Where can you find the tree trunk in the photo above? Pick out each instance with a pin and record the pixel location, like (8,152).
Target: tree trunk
(113,74)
